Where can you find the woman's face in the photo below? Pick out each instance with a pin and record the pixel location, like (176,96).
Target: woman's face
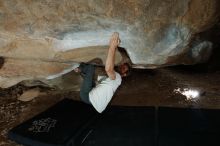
(123,70)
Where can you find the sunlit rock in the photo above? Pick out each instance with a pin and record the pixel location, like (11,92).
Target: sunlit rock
(154,33)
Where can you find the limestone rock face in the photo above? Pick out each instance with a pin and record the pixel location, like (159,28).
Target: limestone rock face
(43,38)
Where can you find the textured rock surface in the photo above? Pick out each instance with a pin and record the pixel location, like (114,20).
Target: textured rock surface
(29,95)
(40,37)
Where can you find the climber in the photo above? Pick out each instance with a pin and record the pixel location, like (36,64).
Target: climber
(99,93)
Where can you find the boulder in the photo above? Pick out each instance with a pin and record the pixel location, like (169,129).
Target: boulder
(45,39)
(29,95)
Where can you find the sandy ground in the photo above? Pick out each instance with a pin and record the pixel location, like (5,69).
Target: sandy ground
(142,88)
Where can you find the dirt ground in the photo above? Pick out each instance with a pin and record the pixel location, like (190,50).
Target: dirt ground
(142,88)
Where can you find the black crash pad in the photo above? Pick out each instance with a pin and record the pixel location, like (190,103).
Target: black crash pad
(122,126)
(188,127)
(72,123)
(57,126)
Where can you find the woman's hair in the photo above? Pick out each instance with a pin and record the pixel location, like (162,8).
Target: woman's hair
(125,60)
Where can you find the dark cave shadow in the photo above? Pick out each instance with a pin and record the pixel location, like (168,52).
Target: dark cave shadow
(213,64)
